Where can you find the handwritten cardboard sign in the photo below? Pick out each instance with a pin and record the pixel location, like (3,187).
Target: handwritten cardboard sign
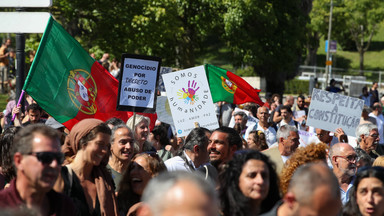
(137,86)
(329,111)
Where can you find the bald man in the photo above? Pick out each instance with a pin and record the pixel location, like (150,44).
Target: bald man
(178,193)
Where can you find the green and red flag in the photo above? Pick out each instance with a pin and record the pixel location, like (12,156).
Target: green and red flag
(69,84)
(228,87)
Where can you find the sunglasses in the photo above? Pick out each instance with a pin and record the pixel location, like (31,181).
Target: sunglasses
(152,154)
(48,157)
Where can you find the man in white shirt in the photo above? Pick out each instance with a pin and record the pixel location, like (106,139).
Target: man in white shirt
(195,152)
(343,158)
(263,125)
(286,113)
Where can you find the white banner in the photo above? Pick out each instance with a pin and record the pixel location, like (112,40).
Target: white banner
(329,111)
(190,100)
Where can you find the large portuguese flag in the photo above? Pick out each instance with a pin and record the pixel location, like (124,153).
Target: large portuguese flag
(228,87)
(69,84)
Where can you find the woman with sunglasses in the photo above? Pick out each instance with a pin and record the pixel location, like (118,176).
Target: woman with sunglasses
(143,167)
(140,126)
(367,196)
(248,184)
(85,178)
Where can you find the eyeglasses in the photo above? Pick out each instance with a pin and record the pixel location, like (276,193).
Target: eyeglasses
(48,157)
(350,158)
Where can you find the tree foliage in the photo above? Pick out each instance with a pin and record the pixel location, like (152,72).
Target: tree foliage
(171,29)
(361,19)
(269,35)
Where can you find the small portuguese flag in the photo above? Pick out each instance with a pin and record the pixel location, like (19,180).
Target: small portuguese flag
(228,87)
(69,84)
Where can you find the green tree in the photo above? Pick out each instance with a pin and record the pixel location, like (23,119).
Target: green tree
(171,29)
(316,28)
(268,35)
(361,18)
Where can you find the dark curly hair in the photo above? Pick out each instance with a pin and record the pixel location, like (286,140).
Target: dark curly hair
(351,208)
(233,201)
(6,159)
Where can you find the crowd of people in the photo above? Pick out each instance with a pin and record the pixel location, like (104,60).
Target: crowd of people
(261,161)
(256,164)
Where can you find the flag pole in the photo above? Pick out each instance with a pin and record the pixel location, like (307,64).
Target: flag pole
(134,119)
(18,103)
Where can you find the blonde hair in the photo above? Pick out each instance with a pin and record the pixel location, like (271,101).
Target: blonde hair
(379,161)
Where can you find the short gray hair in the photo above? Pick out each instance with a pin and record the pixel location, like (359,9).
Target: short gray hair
(23,139)
(364,129)
(310,176)
(159,186)
(119,126)
(138,119)
(284,131)
(197,137)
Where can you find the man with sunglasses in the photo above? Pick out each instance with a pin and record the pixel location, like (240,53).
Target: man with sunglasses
(343,158)
(37,158)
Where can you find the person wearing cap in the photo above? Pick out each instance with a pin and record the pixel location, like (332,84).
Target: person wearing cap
(63,131)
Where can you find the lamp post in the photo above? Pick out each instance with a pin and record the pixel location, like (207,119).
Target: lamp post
(327,67)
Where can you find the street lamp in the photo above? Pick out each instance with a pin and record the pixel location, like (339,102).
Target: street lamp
(327,67)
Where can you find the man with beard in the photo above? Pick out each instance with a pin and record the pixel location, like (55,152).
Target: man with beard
(37,158)
(241,123)
(343,158)
(300,106)
(123,147)
(288,141)
(223,143)
(368,137)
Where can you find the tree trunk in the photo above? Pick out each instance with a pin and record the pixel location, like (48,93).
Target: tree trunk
(361,52)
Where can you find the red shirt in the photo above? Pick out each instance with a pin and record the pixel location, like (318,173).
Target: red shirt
(59,204)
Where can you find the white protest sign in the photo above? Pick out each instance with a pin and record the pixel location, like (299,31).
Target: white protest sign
(298,114)
(137,84)
(163,111)
(190,100)
(329,111)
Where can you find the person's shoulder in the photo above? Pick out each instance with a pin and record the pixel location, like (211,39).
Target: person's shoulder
(9,197)
(62,204)
(173,160)
(271,150)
